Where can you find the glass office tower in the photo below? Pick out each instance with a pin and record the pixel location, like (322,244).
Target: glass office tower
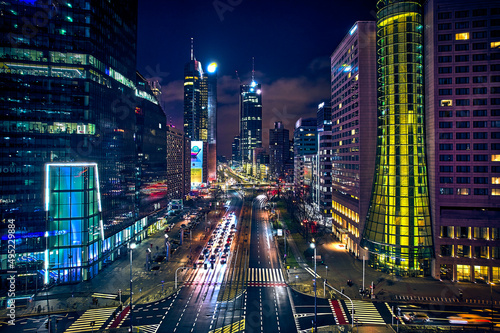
(398,231)
(250,121)
(70,94)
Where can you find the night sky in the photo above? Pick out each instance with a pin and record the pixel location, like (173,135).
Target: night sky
(291,41)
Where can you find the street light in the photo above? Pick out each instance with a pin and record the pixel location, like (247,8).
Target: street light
(313,246)
(131,246)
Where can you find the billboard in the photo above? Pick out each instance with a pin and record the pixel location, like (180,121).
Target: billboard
(196,163)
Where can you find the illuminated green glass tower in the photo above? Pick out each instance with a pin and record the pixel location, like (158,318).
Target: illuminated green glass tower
(398,231)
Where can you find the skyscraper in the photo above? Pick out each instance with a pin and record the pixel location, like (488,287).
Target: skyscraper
(200,113)
(279,150)
(195,101)
(250,121)
(211,79)
(177,153)
(83,137)
(354,131)
(305,147)
(463,137)
(323,188)
(398,231)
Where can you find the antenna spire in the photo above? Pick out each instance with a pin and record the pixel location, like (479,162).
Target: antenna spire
(192,49)
(253,68)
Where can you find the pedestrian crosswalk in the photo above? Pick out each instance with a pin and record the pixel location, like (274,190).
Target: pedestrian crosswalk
(147,328)
(265,277)
(108,296)
(91,319)
(365,313)
(311,271)
(231,328)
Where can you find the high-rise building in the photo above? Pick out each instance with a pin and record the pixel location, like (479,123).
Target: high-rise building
(279,150)
(195,101)
(323,187)
(211,79)
(305,146)
(187,164)
(462,104)
(250,121)
(200,113)
(354,131)
(78,123)
(177,154)
(398,232)
(235,152)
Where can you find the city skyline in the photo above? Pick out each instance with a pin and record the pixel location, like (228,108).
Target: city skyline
(294,71)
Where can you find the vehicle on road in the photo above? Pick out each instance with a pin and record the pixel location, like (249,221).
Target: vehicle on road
(415,317)
(468,318)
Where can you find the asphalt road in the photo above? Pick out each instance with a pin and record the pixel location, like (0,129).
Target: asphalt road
(269,307)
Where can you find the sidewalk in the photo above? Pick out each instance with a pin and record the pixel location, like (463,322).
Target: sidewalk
(147,285)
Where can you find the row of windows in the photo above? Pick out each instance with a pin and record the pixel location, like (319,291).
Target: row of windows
(464,251)
(466,158)
(467,146)
(465,57)
(467,180)
(466,124)
(465,113)
(466,79)
(466,135)
(466,13)
(466,69)
(466,47)
(469,232)
(467,191)
(466,24)
(467,168)
(466,91)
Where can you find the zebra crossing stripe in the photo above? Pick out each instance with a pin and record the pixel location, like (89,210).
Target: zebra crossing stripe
(234,327)
(366,313)
(94,317)
(108,296)
(310,271)
(148,328)
(265,275)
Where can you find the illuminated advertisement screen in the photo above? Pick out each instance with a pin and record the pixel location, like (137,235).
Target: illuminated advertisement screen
(196,163)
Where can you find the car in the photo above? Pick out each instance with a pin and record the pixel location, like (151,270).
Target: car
(223,259)
(468,318)
(415,317)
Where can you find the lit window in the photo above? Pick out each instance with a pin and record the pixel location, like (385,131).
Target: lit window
(495,180)
(357,77)
(463,191)
(446,102)
(495,158)
(462,36)
(495,45)
(495,191)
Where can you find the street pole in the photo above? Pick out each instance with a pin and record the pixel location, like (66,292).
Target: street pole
(48,308)
(313,245)
(131,247)
(176,275)
(363,274)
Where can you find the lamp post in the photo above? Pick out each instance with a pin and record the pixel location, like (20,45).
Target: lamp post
(131,246)
(313,246)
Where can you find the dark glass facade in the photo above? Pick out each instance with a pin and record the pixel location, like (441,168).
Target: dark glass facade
(70,94)
(250,121)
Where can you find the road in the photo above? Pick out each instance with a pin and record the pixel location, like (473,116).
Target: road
(247,293)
